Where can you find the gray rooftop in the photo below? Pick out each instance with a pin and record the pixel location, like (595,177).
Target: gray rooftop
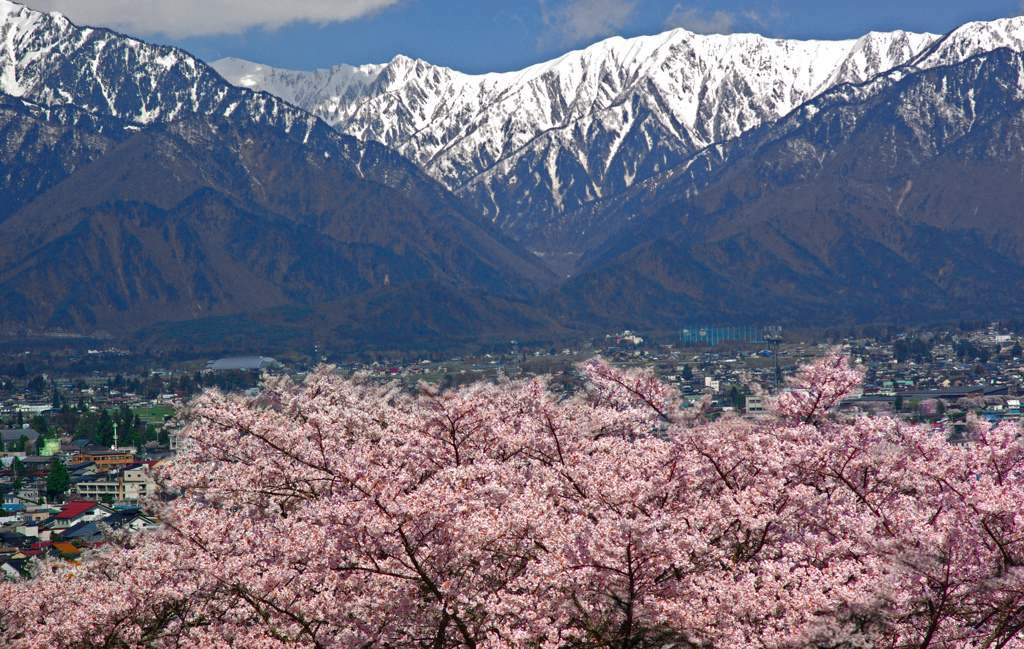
(12,435)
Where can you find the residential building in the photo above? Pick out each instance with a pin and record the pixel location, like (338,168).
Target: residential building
(105,459)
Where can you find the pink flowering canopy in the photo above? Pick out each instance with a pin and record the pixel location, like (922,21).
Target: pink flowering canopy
(342,514)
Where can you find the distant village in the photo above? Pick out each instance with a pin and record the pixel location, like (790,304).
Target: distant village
(80,454)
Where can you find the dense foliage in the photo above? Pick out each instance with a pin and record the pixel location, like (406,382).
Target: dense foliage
(339,513)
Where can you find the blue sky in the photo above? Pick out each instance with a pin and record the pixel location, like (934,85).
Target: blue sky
(488,35)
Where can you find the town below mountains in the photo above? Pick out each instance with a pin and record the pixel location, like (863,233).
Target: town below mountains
(165,202)
(80,446)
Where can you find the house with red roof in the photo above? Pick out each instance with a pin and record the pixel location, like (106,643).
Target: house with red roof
(76,512)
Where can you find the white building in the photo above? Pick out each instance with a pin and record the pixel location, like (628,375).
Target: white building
(755,405)
(133,484)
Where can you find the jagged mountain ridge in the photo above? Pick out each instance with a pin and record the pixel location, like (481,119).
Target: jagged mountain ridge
(127,215)
(893,200)
(599,224)
(48,61)
(528,147)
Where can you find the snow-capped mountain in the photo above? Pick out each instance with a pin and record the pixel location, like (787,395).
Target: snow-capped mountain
(894,200)
(46,59)
(138,186)
(68,71)
(528,146)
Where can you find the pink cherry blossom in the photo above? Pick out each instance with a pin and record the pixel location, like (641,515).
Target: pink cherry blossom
(343,514)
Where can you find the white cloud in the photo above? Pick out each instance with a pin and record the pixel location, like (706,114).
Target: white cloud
(182,18)
(582,21)
(699,21)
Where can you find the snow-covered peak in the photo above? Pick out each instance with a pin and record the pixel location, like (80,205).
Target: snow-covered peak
(975,38)
(298,87)
(52,62)
(530,145)
(582,126)
(427,111)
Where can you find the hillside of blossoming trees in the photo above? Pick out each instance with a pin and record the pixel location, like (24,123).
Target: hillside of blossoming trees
(341,513)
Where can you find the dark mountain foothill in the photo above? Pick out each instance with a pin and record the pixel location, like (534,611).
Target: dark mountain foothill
(207,218)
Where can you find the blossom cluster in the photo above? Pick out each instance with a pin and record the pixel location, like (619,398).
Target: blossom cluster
(341,514)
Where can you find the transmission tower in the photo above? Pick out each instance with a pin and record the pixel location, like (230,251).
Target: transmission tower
(514,367)
(773,336)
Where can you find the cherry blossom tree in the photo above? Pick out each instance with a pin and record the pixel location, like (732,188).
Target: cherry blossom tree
(339,513)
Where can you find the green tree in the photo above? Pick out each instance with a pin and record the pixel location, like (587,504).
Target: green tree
(39,424)
(687,373)
(88,425)
(105,430)
(37,385)
(67,419)
(58,481)
(898,404)
(19,467)
(739,400)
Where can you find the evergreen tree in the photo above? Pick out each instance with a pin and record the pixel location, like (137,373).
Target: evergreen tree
(88,425)
(19,467)
(105,430)
(58,481)
(39,424)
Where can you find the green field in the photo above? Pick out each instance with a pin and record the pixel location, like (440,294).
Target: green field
(153,415)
